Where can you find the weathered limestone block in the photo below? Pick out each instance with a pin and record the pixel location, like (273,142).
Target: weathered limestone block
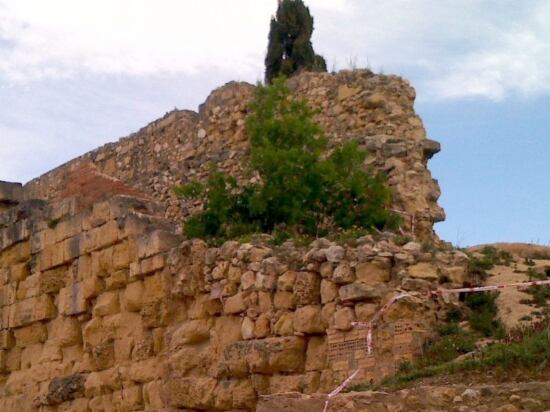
(234,395)
(72,300)
(156,287)
(18,253)
(308,319)
(7,340)
(262,327)
(335,253)
(284,326)
(52,281)
(156,242)
(329,291)
(29,335)
(423,270)
(31,310)
(153,396)
(132,298)
(102,382)
(358,292)
(374,272)
(10,193)
(147,266)
(265,356)
(343,274)
(307,383)
(28,288)
(235,304)
(19,272)
(192,393)
(155,313)
(8,295)
(316,356)
(247,328)
(284,300)
(285,282)
(107,304)
(31,356)
(102,236)
(307,288)
(265,282)
(191,332)
(343,319)
(257,254)
(65,331)
(14,233)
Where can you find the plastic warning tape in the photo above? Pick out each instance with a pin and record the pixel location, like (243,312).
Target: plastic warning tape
(372,323)
(339,389)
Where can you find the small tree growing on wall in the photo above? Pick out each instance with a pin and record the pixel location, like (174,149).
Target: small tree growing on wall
(290,48)
(304,188)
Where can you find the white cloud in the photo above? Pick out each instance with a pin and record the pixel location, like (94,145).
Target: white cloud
(516,62)
(451,49)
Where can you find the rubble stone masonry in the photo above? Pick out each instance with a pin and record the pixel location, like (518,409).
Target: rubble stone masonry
(377,110)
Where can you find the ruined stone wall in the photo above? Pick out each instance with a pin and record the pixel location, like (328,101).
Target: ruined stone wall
(377,110)
(104,308)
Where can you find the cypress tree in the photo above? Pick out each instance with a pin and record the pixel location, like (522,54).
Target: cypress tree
(290,49)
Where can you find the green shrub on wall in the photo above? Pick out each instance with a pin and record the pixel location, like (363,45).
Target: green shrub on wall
(304,188)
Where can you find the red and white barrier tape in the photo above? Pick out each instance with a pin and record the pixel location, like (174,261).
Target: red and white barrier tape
(370,325)
(339,389)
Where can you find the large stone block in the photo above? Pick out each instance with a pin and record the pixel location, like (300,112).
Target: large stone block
(107,304)
(10,193)
(307,288)
(31,310)
(265,356)
(308,319)
(373,273)
(358,292)
(29,335)
(72,300)
(65,330)
(192,393)
(52,281)
(132,298)
(156,242)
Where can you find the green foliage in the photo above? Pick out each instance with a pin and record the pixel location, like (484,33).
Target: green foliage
(451,343)
(290,48)
(303,189)
(479,266)
(483,316)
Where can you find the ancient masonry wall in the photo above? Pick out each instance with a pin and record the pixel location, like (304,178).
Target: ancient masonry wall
(104,308)
(377,110)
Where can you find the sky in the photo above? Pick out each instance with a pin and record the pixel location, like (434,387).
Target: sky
(77,74)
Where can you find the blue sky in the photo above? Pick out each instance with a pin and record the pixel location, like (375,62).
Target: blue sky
(76,75)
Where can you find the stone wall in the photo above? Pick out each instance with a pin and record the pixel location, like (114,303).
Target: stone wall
(104,308)
(375,109)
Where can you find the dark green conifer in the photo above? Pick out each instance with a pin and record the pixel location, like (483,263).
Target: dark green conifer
(290,49)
